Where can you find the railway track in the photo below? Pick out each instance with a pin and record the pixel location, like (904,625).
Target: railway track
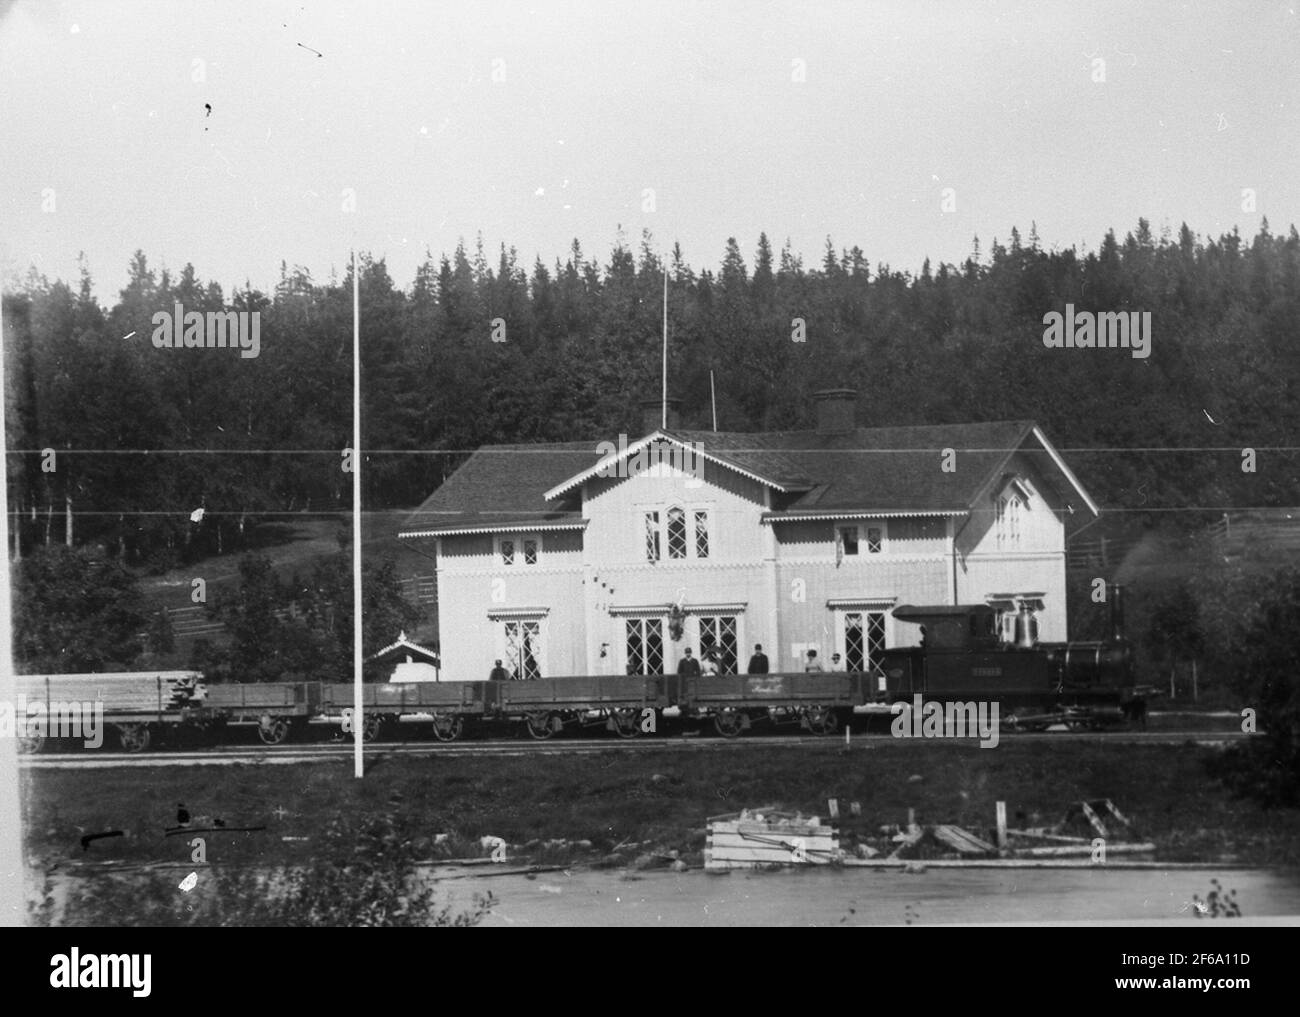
(282,755)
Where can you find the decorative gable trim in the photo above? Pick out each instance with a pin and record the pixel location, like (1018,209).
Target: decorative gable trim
(618,455)
(1069,474)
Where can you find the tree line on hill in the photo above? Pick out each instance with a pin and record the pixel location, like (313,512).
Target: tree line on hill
(142,437)
(74,613)
(118,443)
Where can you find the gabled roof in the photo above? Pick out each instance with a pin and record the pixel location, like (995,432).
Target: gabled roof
(406,646)
(775,471)
(881,471)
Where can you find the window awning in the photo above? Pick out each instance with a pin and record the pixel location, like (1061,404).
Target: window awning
(655,610)
(839,602)
(518,612)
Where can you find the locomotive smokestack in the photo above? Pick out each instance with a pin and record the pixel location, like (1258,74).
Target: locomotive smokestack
(1116,613)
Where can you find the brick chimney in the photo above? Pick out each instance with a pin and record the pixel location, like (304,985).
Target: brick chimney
(652,415)
(836,410)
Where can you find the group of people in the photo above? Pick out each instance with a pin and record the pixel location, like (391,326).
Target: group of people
(710,664)
(758,663)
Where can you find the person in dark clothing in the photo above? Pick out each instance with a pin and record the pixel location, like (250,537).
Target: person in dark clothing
(758,662)
(688,665)
(498,674)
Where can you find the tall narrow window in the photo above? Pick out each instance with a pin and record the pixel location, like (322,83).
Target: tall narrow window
(507,552)
(1008,522)
(676,533)
(718,633)
(864,639)
(645,646)
(701,534)
(530,552)
(855,647)
(849,539)
(521,648)
(875,539)
(652,536)
(875,634)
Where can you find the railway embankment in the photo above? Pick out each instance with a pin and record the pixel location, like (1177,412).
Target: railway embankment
(637,810)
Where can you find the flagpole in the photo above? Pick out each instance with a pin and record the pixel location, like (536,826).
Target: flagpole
(13,911)
(663,419)
(358,721)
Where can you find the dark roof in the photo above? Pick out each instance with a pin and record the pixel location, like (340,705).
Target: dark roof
(503,484)
(873,469)
(881,469)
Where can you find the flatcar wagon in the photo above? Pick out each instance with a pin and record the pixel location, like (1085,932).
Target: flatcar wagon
(961,656)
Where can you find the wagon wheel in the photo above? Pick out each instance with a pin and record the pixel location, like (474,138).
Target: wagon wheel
(447,726)
(539,724)
(370,728)
(728,722)
(272,730)
(133,737)
(626,722)
(31,742)
(821,720)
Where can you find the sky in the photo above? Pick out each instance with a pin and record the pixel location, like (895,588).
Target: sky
(242,134)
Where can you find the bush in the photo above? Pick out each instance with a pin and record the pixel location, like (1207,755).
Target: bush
(365,875)
(1266,650)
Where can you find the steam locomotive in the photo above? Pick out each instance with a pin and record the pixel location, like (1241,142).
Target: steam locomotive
(962,657)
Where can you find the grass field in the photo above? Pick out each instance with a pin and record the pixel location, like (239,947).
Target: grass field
(613,808)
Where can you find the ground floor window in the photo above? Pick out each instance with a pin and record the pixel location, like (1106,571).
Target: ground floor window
(645,646)
(719,632)
(522,648)
(864,639)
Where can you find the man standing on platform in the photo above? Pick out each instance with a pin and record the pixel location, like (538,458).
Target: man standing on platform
(758,662)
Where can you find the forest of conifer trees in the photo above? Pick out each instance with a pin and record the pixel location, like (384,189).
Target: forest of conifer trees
(1157,438)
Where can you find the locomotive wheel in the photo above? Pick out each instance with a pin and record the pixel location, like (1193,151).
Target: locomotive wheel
(447,726)
(821,720)
(540,724)
(728,722)
(133,737)
(626,722)
(273,730)
(31,743)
